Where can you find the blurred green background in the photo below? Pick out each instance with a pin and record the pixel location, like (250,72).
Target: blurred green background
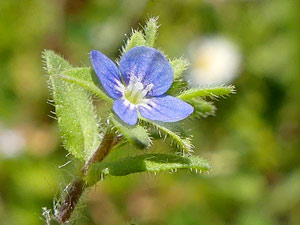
(253,141)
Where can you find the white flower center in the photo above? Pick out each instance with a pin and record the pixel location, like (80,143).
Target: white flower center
(135,92)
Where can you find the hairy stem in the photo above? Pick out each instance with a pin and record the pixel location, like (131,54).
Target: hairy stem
(108,142)
(73,195)
(78,186)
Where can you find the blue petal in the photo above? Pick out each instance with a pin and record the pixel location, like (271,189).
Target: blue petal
(107,72)
(165,109)
(126,111)
(150,66)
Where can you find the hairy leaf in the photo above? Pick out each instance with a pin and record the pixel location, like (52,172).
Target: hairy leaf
(182,143)
(178,86)
(136,39)
(213,92)
(136,135)
(86,78)
(151,31)
(179,66)
(75,113)
(145,163)
(202,108)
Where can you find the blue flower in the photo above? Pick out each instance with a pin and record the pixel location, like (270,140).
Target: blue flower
(139,86)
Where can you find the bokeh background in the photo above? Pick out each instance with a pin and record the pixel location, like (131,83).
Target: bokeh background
(253,141)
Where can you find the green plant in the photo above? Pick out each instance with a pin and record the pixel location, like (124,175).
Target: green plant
(90,140)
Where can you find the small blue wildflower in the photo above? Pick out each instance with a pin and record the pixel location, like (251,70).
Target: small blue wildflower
(139,85)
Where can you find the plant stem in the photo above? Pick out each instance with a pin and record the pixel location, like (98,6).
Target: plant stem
(108,142)
(78,186)
(73,195)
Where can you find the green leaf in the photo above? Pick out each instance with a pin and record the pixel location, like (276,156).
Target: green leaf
(183,144)
(86,78)
(53,63)
(213,92)
(136,39)
(202,108)
(136,135)
(145,163)
(178,86)
(77,120)
(179,66)
(151,31)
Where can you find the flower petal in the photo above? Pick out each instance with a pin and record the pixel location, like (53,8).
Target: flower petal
(108,74)
(165,109)
(150,66)
(126,111)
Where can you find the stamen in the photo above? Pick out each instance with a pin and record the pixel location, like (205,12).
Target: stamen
(135,91)
(131,83)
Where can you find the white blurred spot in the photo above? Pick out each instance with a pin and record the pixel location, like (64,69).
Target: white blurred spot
(12,142)
(214,61)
